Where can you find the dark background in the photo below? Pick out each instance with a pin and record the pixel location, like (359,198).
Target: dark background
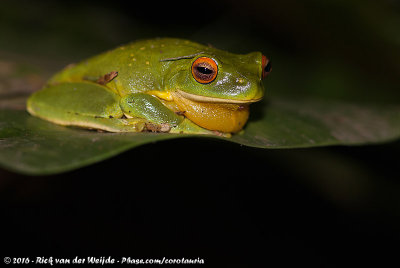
(228,204)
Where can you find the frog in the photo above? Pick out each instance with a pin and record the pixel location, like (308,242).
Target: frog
(167,85)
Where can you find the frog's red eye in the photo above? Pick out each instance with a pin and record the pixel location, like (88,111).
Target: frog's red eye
(204,70)
(266,66)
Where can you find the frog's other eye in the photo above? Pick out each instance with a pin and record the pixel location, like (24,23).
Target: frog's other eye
(266,66)
(204,70)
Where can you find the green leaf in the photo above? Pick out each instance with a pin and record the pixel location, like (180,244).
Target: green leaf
(289,123)
(32,146)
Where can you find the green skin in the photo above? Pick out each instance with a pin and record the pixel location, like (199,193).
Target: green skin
(127,103)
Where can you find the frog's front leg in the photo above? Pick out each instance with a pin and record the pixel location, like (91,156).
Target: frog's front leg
(142,105)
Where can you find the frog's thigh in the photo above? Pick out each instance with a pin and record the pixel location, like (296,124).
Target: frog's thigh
(146,106)
(80,104)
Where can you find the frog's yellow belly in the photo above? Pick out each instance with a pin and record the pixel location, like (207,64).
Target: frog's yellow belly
(224,117)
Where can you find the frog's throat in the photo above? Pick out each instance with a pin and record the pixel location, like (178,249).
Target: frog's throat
(219,116)
(224,115)
(199,98)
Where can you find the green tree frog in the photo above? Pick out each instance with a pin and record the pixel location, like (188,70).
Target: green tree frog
(163,85)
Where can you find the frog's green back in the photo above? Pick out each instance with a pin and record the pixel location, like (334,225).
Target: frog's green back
(139,64)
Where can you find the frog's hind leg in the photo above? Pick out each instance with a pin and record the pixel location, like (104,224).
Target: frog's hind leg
(82,104)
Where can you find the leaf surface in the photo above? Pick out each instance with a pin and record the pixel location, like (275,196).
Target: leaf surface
(32,146)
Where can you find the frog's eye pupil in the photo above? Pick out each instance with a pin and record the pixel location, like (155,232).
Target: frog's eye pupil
(204,70)
(268,68)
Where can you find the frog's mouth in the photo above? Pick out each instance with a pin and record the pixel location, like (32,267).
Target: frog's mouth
(213,113)
(199,98)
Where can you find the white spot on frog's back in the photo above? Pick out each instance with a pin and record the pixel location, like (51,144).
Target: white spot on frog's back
(240,80)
